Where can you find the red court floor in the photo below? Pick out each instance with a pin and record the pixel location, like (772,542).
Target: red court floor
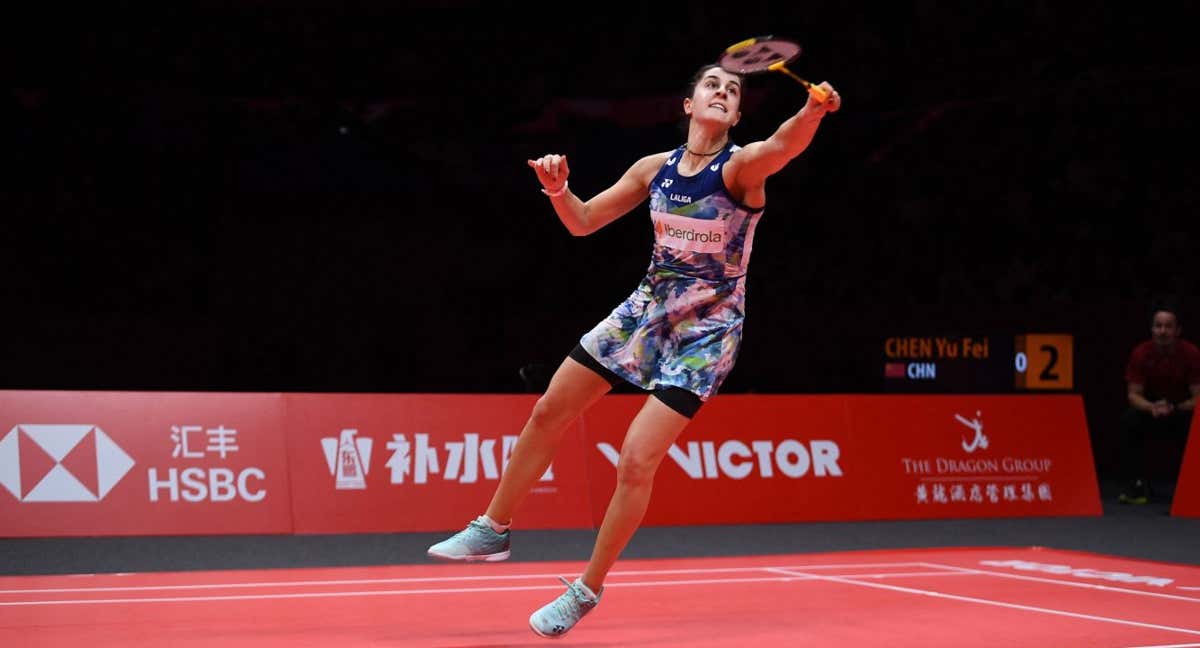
(930,597)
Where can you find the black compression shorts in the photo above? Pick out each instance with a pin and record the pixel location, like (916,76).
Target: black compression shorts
(677,398)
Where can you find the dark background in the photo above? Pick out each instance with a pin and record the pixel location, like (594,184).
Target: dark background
(333,197)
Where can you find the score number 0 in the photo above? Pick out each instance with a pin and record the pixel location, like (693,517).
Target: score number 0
(1043,361)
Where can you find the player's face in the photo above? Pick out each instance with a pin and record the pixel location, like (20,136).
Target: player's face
(1165,328)
(716,97)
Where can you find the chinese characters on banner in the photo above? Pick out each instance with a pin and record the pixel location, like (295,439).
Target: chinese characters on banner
(401,462)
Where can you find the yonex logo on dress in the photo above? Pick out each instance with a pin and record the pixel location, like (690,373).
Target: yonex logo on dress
(61,463)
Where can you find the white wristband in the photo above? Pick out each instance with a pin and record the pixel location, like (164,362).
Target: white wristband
(561,190)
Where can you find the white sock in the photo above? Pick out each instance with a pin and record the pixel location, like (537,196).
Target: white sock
(496,526)
(586,590)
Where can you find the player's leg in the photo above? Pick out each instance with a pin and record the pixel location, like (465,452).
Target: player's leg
(650,435)
(573,388)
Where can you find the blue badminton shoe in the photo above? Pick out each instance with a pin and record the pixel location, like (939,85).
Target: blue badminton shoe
(557,617)
(476,543)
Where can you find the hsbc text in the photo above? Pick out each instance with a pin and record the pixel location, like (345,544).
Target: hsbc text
(212,485)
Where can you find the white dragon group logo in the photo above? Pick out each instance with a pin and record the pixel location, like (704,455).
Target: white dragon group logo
(980,442)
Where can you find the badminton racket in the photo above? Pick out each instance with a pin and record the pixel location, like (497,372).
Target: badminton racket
(767,54)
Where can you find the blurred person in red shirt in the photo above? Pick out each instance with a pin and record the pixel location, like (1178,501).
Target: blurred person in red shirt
(1162,378)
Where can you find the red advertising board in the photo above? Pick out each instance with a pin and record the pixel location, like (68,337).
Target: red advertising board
(752,458)
(129,463)
(419,462)
(141,463)
(974,456)
(1186,501)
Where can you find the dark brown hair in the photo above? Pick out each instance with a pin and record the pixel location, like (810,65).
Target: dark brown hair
(699,74)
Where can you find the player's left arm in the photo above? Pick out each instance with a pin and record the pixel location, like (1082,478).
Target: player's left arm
(747,171)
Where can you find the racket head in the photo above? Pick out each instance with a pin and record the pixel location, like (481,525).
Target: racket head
(757,55)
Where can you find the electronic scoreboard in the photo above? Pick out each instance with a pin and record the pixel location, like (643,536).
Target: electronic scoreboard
(985,363)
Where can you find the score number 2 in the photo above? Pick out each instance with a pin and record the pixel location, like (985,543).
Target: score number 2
(1043,361)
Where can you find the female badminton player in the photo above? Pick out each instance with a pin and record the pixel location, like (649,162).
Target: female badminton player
(676,336)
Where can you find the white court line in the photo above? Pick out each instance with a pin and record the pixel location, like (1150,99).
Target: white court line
(1039,579)
(1014,606)
(904,574)
(428,579)
(459,590)
(146,588)
(1192,645)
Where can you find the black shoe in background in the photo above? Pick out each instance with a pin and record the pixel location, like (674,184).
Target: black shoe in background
(1138,492)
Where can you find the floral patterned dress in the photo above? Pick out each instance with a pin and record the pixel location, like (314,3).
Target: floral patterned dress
(682,326)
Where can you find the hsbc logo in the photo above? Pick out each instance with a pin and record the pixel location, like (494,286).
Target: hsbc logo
(60,463)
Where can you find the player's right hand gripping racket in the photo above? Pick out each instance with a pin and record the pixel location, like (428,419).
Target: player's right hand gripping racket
(766,54)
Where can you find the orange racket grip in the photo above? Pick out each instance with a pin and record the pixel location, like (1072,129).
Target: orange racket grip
(818,93)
